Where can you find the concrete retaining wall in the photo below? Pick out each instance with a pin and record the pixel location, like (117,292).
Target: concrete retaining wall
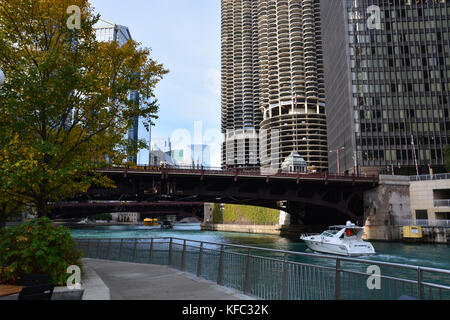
(383,205)
(275,229)
(435,235)
(395,233)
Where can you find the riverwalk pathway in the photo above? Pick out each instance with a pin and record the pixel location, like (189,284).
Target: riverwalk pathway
(132,281)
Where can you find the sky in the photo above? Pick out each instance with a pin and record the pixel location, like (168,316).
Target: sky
(184,36)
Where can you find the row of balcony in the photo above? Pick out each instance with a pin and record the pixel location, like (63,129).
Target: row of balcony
(423,223)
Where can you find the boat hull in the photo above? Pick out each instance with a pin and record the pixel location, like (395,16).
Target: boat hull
(339,249)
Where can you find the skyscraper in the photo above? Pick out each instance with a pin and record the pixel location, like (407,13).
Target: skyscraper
(241,115)
(108,31)
(387,67)
(273,83)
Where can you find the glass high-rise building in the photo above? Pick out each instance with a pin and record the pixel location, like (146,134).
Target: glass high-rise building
(110,32)
(387,76)
(273,95)
(107,31)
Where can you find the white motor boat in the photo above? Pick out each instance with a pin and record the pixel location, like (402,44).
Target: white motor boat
(84,221)
(340,240)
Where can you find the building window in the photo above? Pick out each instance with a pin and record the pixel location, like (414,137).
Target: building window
(421,215)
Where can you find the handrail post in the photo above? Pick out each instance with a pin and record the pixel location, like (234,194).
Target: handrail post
(150,258)
(220,272)
(170,252)
(88,247)
(284,285)
(183,257)
(135,249)
(419,283)
(96,249)
(247,274)
(337,282)
(109,250)
(200,261)
(121,249)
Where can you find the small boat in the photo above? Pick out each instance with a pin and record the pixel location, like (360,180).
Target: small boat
(340,240)
(150,222)
(84,221)
(166,225)
(412,233)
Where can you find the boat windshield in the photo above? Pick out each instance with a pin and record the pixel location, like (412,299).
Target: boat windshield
(352,232)
(329,233)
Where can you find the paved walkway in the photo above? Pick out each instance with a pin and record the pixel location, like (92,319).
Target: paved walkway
(131,281)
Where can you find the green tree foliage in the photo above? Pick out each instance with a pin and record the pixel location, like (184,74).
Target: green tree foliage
(8,209)
(65,107)
(37,247)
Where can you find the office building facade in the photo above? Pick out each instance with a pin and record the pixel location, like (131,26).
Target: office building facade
(273,98)
(387,71)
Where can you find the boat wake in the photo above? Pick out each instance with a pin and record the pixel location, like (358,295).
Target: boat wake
(406,260)
(391,258)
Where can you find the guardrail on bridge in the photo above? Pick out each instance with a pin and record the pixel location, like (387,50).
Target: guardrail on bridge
(244,172)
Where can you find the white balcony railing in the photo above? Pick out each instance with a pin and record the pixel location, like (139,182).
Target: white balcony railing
(441,176)
(423,223)
(442,203)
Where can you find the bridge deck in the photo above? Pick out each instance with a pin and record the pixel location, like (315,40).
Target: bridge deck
(241,173)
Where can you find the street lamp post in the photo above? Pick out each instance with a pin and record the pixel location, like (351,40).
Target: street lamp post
(338,152)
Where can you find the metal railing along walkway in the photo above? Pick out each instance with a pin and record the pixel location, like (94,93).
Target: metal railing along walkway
(275,274)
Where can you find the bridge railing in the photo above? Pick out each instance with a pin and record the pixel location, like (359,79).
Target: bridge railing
(245,172)
(276,274)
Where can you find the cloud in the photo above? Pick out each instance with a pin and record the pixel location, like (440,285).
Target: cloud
(185,37)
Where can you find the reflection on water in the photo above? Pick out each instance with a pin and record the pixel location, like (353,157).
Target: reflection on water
(429,255)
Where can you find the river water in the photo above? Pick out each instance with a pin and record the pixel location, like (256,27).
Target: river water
(426,255)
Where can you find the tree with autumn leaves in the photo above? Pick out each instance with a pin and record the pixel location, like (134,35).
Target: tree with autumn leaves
(65,107)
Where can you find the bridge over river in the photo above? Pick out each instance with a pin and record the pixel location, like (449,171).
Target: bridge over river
(318,198)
